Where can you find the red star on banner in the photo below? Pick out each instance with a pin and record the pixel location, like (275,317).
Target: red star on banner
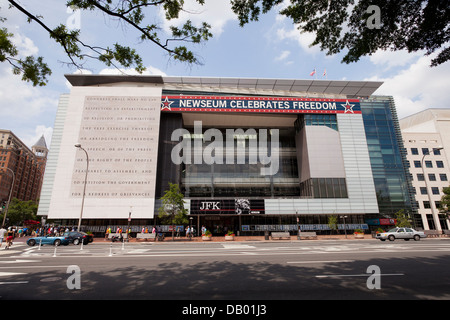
(166,104)
(348,107)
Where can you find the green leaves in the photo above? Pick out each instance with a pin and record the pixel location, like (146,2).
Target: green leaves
(33,69)
(342,25)
(132,13)
(173,209)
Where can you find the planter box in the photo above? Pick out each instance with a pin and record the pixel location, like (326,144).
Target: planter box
(359,236)
(229,238)
(205,238)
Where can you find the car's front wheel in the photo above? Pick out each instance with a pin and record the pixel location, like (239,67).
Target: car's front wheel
(57,242)
(31,242)
(76,242)
(391,238)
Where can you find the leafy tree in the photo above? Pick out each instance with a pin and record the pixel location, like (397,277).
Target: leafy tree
(445,202)
(19,211)
(338,25)
(333,222)
(173,210)
(402,219)
(362,27)
(131,13)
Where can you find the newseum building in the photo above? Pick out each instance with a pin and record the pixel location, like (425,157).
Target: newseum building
(250,155)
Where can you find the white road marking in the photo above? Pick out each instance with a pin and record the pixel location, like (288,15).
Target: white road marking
(6,274)
(19,261)
(356,275)
(312,262)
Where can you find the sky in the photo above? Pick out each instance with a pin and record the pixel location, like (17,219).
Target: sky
(269,48)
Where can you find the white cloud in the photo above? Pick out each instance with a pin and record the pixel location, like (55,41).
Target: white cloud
(21,101)
(390,59)
(283,55)
(216,13)
(304,39)
(24,45)
(417,87)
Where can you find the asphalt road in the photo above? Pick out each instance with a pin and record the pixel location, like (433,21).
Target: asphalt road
(257,271)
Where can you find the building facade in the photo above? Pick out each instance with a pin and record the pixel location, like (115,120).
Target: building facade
(21,168)
(251,155)
(426,138)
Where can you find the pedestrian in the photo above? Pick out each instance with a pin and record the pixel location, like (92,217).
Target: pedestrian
(2,235)
(203,230)
(108,231)
(9,238)
(153,230)
(188,232)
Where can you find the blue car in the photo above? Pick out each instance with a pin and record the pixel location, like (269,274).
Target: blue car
(56,241)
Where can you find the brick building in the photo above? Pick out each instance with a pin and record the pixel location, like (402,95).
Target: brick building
(21,165)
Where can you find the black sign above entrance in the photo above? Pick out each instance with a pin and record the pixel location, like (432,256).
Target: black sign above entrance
(227,206)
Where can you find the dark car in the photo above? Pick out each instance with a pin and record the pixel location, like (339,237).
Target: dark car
(76,237)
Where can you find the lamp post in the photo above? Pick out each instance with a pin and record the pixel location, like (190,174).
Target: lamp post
(433,213)
(84,188)
(9,198)
(345,226)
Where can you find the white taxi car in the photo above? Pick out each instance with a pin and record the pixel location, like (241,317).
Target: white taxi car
(401,233)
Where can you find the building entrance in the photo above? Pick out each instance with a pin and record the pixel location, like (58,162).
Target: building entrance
(218,225)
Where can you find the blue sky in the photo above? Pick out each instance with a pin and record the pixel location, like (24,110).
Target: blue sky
(269,48)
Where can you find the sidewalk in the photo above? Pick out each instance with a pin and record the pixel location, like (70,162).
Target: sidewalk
(243,239)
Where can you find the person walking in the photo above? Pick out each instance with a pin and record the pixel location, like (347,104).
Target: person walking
(9,238)
(188,232)
(2,235)
(108,231)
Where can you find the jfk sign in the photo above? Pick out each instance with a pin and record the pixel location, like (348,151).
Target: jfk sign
(226,206)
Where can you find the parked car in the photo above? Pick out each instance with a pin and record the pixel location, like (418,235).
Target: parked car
(56,241)
(76,237)
(401,233)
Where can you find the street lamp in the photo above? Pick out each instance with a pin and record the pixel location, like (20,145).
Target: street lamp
(345,226)
(433,213)
(84,188)
(9,198)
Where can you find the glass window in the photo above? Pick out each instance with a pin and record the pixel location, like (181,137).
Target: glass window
(437,152)
(417,164)
(423,190)
(439,164)
(431,177)
(435,190)
(414,151)
(443,176)
(425,151)
(426,205)
(420,177)
(428,164)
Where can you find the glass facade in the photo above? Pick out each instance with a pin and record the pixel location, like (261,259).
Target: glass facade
(388,159)
(243,178)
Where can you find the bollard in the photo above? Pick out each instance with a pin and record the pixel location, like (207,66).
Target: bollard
(123,244)
(54,253)
(40,242)
(110,250)
(81,248)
